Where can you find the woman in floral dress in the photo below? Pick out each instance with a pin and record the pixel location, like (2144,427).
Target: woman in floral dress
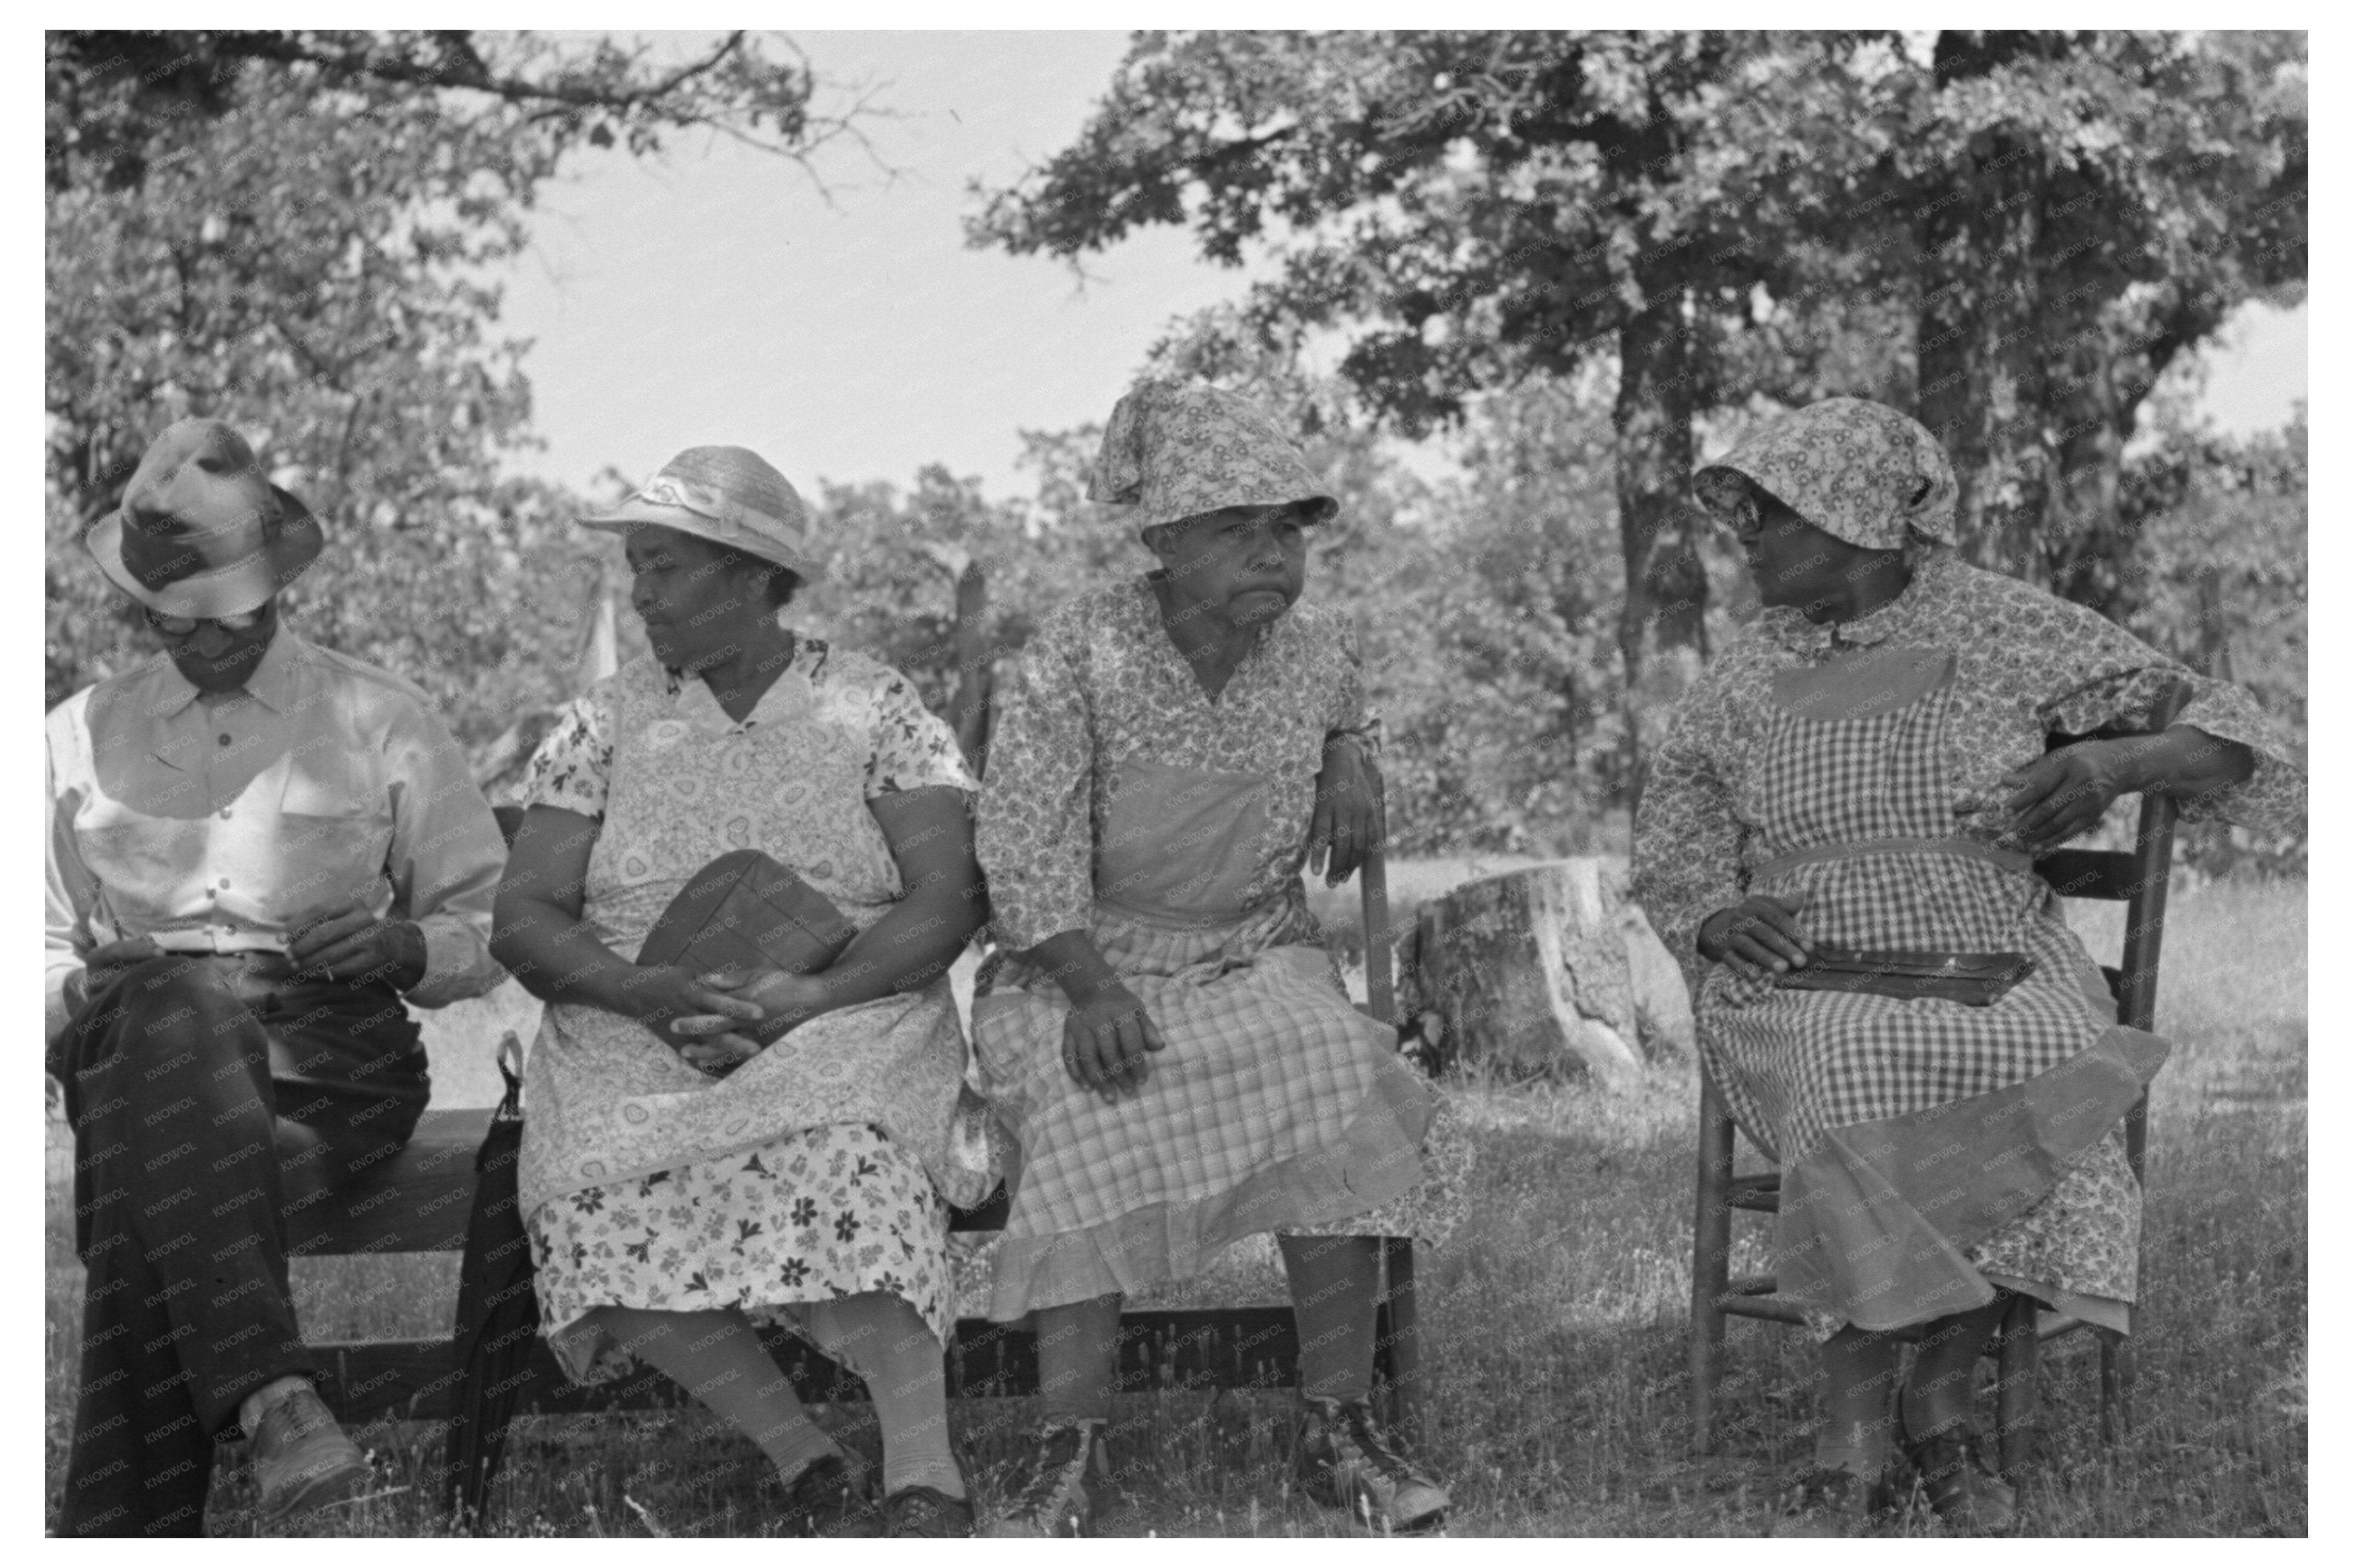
(1864,768)
(1162,1028)
(670,1208)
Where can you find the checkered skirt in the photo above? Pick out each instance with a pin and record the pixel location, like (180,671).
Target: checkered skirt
(1276,1106)
(1791,1064)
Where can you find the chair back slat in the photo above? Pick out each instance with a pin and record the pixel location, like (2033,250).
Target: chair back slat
(1380,991)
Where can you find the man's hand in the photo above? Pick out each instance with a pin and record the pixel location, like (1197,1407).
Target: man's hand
(1758,937)
(1104,1039)
(346,943)
(1348,818)
(103,964)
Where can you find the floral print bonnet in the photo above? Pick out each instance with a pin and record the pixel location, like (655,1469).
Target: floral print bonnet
(1855,469)
(1172,452)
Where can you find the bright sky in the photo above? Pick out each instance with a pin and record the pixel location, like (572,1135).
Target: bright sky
(716,297)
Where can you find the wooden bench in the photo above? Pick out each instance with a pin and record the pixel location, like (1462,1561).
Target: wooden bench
(420,1201)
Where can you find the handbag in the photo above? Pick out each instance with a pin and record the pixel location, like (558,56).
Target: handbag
(1973,979)
(746,910)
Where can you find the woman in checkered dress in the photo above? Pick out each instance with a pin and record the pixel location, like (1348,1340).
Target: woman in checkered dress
(1162,1028)
(1863,767)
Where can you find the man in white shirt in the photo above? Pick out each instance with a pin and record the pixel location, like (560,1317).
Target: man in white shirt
(256,848)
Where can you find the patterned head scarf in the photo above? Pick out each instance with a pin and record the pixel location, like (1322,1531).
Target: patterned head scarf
(1855,469)
(1174,452)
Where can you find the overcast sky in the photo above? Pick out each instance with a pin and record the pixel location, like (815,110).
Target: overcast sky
(719,296)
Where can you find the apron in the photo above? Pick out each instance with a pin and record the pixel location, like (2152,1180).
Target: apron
(1275,1105)
(609,1100)
(1907,1129)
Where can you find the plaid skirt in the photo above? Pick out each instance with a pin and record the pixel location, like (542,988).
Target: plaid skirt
(1276,1107)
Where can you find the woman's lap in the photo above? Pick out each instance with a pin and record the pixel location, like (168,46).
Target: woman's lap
(1276,1106)
(807,1216)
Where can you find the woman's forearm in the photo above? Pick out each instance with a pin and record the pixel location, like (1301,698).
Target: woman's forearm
(557,958)
(1076,964)
(910,946)
(2184,762)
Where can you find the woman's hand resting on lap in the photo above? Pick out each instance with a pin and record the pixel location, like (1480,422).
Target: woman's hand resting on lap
(1759,937)
(1104,1041)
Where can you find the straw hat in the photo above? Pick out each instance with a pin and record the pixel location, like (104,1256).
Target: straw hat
(729,495)
(201,531)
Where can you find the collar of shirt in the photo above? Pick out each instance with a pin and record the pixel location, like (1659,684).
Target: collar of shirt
(692,698)
(271,684)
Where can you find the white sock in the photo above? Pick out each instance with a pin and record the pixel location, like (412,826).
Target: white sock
(885,1341)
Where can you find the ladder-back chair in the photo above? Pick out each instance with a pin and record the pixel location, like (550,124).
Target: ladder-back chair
(2135,878)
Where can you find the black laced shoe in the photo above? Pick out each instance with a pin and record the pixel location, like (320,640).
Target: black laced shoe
(1350,1463)
(1049,1497)
(830,1499)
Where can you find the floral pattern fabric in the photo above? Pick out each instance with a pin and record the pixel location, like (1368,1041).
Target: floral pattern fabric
(1101,683)
(1832,765)
(1277,1105)
(809,1217)
(2026,664)
(1172,452)
(1853,468)
(672,782)
(912,748)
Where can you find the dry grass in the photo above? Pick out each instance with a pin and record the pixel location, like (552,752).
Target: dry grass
(1555,1331)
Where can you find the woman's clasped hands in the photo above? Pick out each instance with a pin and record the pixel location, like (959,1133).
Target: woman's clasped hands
(707,1018)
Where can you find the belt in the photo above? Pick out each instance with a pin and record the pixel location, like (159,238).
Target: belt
(215,940)
(1967,849)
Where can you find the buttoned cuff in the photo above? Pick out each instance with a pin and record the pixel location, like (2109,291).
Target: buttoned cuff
(458,962)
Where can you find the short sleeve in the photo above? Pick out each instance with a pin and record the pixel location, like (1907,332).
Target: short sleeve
(575,761)
(913,747)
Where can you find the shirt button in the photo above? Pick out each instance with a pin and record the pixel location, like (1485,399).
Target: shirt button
(224,882)
(224,814)
(225,740)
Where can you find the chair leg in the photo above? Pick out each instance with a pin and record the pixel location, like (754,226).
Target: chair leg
(2116,1385)
(2015,1391)
(1710,1265)
(1400,1338)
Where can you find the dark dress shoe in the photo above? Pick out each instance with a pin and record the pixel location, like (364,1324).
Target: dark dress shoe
(925,1511)
(302,1462)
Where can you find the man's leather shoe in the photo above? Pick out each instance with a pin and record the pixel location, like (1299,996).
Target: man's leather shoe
(301,1460)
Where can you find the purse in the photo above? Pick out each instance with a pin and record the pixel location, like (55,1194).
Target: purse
(746,910)
(1973,979)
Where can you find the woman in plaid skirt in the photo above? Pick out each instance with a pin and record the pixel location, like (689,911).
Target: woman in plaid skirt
(1864,768)
(1162,1029)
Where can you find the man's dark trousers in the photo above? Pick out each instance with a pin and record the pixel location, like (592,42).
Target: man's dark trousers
(206,1093)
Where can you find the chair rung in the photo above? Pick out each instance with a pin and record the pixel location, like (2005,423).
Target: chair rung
(1750,1285)
(1772,1308)
(1760,1194)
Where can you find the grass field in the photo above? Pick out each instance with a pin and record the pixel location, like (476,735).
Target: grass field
(1556,1328)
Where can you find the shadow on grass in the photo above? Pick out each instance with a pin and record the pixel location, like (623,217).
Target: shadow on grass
(1554,1334)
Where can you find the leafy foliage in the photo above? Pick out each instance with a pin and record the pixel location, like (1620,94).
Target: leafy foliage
(297,232)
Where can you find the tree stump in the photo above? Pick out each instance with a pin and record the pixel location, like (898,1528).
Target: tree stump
(1546,971)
